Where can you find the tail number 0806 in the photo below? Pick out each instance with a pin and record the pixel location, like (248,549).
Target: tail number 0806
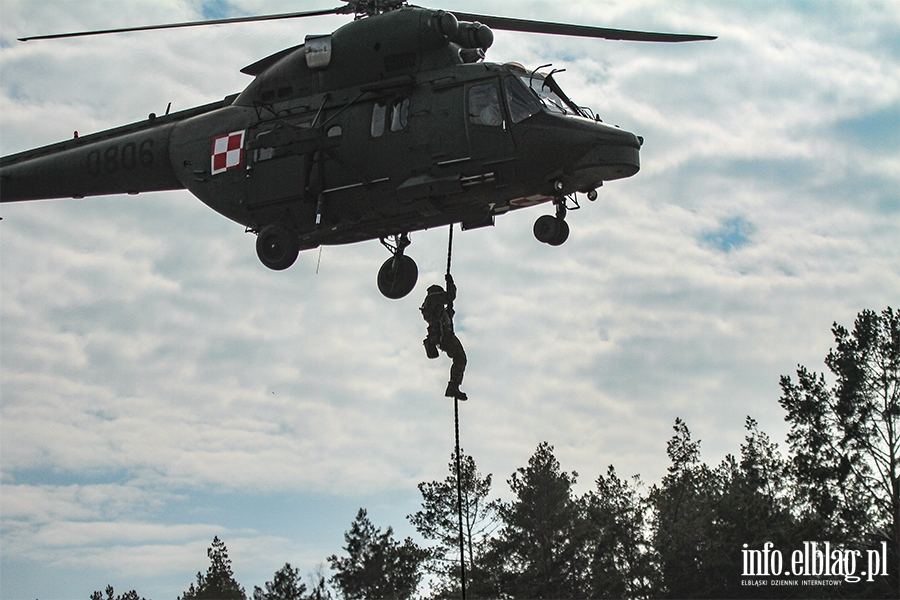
(126,157)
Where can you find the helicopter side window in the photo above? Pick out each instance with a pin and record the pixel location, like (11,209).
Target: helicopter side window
(266,152)
(522,104)
(400,114)
(484,105)
(379,116)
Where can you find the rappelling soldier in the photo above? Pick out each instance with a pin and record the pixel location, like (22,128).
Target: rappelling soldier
(437,310)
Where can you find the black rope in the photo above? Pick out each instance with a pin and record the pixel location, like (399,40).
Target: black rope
(450,248)
(450,310)
(459,504)
(462,552)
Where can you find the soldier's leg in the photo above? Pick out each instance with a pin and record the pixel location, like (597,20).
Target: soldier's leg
(454,349)
(432,340)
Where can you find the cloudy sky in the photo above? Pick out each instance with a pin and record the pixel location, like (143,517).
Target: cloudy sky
(160,386)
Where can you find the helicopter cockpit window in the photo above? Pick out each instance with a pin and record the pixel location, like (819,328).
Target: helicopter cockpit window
(548,97)
(379,115)
(399,114)
(484,105)
(522,104)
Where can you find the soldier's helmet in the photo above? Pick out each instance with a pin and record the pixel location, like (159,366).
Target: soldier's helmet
(435,289)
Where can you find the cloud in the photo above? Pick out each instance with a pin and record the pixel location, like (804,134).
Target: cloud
(160,385)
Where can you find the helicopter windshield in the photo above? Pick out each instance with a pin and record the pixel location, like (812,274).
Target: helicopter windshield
(553,102)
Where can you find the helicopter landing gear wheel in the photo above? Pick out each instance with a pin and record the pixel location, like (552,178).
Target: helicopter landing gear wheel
(553,230)
(277,246)
(561,235)
(398,275)
(546,228)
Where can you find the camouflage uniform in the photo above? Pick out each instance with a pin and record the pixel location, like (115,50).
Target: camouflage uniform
(437,310)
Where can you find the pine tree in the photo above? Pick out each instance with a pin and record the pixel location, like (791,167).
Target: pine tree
(285,585)
(376,565)
(218,583)
(621,561)
(749,504)
(111,595)
(538,552)
(683,503)
(845,440)
(439,521)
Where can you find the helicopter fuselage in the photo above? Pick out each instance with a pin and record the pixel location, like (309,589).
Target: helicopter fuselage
(389,125)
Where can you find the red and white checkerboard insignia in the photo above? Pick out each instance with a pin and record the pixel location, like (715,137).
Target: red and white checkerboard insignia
(227,152)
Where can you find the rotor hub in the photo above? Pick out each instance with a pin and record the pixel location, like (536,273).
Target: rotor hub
(369,8)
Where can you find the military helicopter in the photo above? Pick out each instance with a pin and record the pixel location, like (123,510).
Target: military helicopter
(393,123)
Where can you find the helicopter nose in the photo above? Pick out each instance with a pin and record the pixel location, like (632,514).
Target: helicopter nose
(614,155)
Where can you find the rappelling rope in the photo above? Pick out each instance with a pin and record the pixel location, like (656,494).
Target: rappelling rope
(450,249)
(462,553)
(449,256)
(459,504)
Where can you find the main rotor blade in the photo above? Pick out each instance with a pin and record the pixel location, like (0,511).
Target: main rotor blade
(294,15)
(510,24)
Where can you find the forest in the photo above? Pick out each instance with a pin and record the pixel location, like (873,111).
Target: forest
(820,521)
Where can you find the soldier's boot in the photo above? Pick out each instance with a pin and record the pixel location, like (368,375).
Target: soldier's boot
(453,391)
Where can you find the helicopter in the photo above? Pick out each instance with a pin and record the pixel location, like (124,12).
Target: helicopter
(391,124)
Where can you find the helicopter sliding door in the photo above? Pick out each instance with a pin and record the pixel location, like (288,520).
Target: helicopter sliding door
(488,128)
(445,129)
(279,161)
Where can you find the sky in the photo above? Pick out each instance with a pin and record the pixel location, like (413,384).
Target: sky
(161,387)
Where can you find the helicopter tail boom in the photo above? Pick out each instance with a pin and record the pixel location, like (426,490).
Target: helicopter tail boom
(129,163)
(125,160)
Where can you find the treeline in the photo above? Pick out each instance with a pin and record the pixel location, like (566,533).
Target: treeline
(821,521)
